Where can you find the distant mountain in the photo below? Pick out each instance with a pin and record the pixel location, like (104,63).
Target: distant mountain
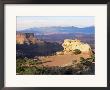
(31,30)
(58,30)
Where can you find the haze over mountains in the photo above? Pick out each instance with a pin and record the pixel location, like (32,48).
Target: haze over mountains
(58,30)
(59,33)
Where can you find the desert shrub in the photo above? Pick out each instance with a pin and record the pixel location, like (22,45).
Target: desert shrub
(77,51)
(20,69)
(93,57)
(26,70)
(68,70)
(87,66)
(86,62)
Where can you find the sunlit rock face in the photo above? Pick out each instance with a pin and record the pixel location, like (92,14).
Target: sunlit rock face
(25,38)
(20,38)
(71,45)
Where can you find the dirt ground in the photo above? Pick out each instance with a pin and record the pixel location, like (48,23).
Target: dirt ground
(61,60)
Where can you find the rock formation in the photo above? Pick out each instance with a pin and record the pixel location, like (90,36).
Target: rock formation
(71,45)
(26,38)
(20,38)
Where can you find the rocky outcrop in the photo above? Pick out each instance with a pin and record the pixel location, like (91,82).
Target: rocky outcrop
(71,45)
(20,38)
(26,38)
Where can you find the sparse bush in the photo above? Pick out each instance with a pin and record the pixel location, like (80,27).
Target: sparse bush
(87,65)
(86,62)
(93,57)
(77,51)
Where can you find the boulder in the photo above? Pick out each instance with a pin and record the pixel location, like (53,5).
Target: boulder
(71,45)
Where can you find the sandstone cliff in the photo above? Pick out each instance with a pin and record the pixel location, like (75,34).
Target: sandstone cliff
(26,38)
(20,38)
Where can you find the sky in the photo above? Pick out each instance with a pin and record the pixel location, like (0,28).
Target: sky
(24,22)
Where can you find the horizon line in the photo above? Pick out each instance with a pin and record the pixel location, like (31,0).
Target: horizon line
(53,26)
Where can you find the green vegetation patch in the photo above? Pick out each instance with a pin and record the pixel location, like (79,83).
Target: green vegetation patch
(77,51)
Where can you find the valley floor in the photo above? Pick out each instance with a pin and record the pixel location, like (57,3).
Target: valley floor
(61,60)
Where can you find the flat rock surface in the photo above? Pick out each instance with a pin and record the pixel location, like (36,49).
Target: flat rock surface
(61,60)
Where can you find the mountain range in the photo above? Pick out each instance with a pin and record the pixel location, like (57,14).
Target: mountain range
(58,30)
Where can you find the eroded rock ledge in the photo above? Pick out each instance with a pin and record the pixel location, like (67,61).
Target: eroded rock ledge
(71,45)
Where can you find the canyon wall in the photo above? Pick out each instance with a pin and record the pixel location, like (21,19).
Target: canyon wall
(26,38)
